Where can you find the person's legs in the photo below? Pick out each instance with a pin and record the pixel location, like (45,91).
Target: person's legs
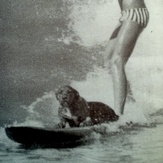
(110,47)
(108,53)
(123,48)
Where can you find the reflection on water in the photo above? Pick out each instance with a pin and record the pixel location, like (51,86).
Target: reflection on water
(137,146)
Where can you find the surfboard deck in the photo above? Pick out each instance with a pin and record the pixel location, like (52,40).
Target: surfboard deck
(67,137)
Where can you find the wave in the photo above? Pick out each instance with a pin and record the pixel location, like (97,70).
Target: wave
(144,109)
(91,22)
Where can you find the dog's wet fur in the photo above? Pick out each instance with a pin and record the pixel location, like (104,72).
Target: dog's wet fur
(76,111)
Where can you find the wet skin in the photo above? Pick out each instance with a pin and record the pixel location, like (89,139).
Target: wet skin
(119,50)
(128,4)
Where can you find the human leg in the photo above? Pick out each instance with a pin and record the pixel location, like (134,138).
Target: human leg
(108,53)
(110,47)
(123,48)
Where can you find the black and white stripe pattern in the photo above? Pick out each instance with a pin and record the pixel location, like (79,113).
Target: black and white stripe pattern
(139,15)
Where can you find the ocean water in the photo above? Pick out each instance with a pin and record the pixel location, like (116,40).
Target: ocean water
(140,144)
(65,45)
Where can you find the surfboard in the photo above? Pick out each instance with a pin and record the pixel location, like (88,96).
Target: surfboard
(31,136)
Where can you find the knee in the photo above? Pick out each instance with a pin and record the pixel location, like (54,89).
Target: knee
(117,63)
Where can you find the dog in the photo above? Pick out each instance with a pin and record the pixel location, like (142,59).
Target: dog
(76,111)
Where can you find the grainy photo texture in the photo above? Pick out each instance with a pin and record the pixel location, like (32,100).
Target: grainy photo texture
(81,81)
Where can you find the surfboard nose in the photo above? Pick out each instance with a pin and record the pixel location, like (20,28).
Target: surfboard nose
(17,134)
(9,132)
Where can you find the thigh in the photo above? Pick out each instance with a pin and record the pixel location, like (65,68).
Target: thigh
(126,39)
(116,31)
(111,43)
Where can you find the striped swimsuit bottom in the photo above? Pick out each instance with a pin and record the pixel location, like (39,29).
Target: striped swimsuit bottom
(139,15)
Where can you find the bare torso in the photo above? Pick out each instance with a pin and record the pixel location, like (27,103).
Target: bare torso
(128,4)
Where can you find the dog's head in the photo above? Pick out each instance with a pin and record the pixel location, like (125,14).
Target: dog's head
(67,95)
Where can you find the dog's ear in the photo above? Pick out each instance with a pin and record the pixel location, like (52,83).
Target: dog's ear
(76,93)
